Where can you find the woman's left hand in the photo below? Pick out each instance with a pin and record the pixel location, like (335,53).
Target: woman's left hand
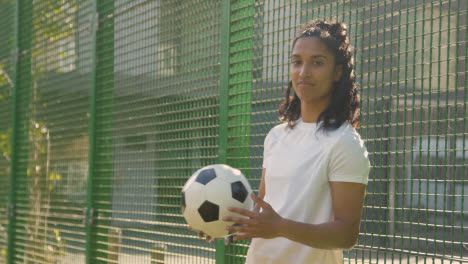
(264,224)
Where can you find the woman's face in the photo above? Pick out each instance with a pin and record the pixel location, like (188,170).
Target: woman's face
(313,71)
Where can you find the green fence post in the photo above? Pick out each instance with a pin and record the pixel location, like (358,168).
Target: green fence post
(92,135)
(223,104)
(235,93)
(106,239)
(240,84)
(12,186)
(20,102)
(239,103)
(100,143)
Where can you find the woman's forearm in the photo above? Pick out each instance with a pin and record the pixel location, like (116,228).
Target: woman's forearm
(337,234)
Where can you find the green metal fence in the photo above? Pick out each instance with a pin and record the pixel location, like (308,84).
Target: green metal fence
(107,107)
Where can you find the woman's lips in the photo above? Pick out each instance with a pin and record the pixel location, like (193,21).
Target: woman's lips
(304,84)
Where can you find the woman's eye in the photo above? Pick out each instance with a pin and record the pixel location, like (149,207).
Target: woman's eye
(318,62)
(295,62)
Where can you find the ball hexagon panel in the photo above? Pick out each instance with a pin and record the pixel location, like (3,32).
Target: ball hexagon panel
(205,176)
(209,211)
(238,191)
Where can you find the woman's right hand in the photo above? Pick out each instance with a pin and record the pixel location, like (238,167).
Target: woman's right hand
(208,239)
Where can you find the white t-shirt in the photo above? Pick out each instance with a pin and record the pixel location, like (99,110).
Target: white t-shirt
(299,164)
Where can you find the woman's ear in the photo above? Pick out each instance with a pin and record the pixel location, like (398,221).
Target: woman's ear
(338,72)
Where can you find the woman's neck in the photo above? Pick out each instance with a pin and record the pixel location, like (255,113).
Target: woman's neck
(311,111)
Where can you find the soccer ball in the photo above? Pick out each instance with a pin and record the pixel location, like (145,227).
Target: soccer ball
(207,195)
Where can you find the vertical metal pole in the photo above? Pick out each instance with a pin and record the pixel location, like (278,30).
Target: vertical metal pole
(223,103)
(91,135)
(14,132)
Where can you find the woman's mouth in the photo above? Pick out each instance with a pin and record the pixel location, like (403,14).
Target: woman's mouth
(304,84)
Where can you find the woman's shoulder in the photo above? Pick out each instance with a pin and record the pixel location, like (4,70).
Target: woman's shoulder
(346,130)
(275,133)
(344,136)
(349,159)
(278,129)
(348,140)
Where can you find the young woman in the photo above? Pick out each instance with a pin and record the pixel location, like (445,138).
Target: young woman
(315,165)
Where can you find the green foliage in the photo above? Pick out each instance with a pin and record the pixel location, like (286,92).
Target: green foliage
(56,249)
(6,83)
(5,145)
(3,229)
(4,255)
(53,19)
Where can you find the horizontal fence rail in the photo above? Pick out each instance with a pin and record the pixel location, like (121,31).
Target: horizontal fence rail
(107,107)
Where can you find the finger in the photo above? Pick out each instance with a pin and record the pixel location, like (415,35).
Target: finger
(189,228)
(259,201)
(243,212)
(256,209)
(240,229)
(208,239)
(201,234)
(239,220)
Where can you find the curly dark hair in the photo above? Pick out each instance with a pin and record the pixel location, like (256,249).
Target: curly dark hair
(344,104)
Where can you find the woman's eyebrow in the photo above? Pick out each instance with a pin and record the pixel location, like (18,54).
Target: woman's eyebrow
(313,56)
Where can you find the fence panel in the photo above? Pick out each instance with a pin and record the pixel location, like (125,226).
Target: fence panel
(156,124)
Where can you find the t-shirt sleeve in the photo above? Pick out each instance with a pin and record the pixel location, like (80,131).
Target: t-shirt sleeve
(349,161)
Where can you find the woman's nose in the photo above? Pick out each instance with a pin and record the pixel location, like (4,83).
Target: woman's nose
(303,71)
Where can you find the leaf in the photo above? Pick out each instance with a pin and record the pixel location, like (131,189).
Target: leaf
(55,176)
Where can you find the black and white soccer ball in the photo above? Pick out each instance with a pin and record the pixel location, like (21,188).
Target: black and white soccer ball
(207,195)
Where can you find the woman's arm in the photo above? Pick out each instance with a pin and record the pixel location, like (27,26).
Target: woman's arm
(342,231)
(339,233)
